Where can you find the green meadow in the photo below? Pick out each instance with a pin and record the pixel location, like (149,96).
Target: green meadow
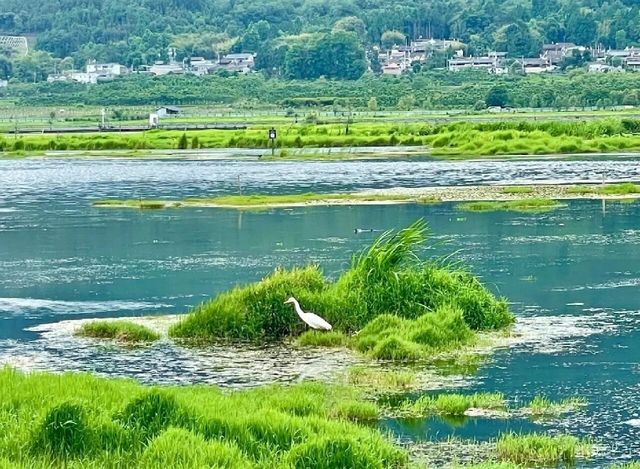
(448,140)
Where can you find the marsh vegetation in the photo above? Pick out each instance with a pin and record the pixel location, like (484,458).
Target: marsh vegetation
(402,306)
(520,205)
(120,331)
(443,140)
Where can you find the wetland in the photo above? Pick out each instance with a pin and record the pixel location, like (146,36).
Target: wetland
(570,276)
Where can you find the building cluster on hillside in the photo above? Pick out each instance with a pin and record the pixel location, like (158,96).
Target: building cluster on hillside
(94,72)
(394,61)
(401,59)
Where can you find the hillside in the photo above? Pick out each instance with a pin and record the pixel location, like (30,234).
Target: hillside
(135,32)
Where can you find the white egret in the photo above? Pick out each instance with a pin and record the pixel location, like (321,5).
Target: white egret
(313,320)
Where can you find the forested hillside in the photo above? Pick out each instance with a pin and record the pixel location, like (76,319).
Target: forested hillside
(135,32)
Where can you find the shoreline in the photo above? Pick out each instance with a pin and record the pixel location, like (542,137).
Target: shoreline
(393,196)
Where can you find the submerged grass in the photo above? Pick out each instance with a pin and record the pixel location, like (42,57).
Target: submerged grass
(122,331)
(381,379)
(626,188)
(540,449)
(405,308)
(453,404)
(262,200)
(517,190)
(523,205)
(543,407)
(82,421)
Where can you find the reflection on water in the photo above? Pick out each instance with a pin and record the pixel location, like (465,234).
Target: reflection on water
(571,275)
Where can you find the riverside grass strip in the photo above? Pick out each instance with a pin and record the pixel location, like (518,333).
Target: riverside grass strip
(452,140)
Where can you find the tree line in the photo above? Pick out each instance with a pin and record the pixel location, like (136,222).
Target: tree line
(424,90)
(290,36)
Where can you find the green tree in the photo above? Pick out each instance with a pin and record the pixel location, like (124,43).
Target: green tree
(621,39)
(517,40)
(392,38)
(183,142)
(352,24)
(497,97)
(406,102)
(372,104)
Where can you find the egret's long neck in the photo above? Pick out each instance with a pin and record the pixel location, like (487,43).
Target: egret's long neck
(297,307)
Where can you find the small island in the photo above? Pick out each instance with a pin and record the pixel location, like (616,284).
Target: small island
(520,198)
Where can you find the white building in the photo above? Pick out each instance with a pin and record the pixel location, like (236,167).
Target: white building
(83,77)
(4,83)
(242,63)
(108,70)
(161,68)
(167,111)
(201,66)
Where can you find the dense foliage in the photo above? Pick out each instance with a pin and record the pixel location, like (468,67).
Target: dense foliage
(141,31)
(427,90)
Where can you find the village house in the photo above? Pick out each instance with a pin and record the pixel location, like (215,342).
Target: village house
(201,66)
(4,83)
(242,63)
(632,63)
(168,111)
(534,66)
(108,70)
(160,68)
(555,53)
(430,45)
(492,63)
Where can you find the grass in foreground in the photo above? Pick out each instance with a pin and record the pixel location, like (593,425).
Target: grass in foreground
(524,205)
(540,449)
(409,308)
(122,331)
(81,421)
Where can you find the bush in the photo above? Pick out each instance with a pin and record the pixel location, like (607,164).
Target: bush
(339,451)
(124,331)
(180,449)
(64,432)
(183,142)
(151,413)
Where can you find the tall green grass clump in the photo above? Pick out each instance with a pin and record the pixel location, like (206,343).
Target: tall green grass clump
(541,406)
(256,311)
(64,432)
(540,449)
(122,331)
(181,449)
(406,305)
(79,420)
(454,404)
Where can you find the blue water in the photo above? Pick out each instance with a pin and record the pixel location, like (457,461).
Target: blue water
(572,275)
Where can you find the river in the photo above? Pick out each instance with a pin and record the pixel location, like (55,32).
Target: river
(572,275)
